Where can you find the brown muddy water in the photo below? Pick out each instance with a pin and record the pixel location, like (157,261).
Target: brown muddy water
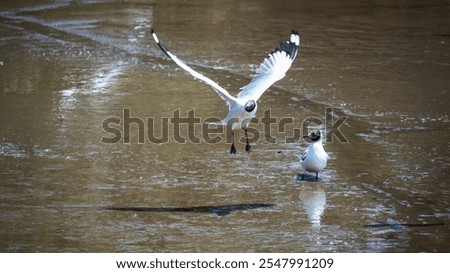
(67,66)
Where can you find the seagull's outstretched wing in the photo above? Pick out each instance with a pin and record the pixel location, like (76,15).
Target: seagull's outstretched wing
(221,91)
(272,69)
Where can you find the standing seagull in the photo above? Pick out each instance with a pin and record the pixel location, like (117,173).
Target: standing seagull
(314,159)
(242,109)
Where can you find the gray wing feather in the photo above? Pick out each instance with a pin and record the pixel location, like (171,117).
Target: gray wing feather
(304,155)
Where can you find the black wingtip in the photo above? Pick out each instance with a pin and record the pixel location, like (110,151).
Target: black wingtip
(290,46)
(161,45)
(155,37)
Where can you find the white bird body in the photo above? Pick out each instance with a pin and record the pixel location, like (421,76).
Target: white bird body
(237,117)
(314,159)
(242,109)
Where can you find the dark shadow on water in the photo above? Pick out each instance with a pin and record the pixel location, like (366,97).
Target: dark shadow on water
(218,210)
(399,225)
(308,178)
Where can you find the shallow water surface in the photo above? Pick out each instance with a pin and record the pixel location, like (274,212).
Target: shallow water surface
(66,67)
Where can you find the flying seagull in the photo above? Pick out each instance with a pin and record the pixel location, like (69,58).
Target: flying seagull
(242,109)
(314,159)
